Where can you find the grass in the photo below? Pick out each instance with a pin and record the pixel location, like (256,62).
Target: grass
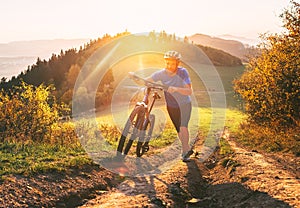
(225,148)
(204,122)
(269,139)
(28,159)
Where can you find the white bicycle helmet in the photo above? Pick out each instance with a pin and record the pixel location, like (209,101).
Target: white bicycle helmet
(172,55)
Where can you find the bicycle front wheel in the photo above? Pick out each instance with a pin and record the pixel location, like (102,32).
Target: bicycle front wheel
(131,130)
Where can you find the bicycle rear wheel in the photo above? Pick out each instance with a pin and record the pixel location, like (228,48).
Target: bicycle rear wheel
(145,136)
(131,130)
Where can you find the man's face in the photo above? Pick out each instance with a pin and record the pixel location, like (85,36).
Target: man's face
(171,64)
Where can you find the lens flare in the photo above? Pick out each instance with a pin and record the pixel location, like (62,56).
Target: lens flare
(99,129)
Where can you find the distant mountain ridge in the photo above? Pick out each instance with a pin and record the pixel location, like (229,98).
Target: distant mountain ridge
(246,41)
(233,47)
(15,57)
(39,48)
(12,66)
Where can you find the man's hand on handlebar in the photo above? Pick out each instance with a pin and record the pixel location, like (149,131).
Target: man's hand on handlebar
(147,82)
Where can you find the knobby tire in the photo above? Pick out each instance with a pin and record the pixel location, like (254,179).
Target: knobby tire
(131,130)
(145,136)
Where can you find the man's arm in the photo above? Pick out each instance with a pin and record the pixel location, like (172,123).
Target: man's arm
(186,90)
(149,79)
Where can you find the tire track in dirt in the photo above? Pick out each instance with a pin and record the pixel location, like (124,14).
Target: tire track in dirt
(255,181)
(265,174)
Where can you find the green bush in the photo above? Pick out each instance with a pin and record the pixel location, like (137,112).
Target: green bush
(27,159)
(269,139)
(30,114)
(271,90)
(271,85)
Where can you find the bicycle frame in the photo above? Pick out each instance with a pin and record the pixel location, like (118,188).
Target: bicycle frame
(145,101)
(139,119)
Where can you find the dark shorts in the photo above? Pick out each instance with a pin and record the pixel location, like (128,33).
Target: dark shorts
(180,116)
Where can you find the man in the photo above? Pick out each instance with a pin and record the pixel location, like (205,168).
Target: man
(177,97)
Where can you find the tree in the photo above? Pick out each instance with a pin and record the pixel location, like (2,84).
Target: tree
(271,86)
(72,74)
(105,91)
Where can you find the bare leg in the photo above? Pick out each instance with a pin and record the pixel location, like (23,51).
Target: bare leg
(184,138)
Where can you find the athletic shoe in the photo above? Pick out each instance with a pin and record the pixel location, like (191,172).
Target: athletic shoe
(186,157)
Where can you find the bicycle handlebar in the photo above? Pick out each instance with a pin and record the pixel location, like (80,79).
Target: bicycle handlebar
(141,81)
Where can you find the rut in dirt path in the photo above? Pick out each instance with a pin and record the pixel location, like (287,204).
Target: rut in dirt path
(255,182)
(172,188)
(266,174)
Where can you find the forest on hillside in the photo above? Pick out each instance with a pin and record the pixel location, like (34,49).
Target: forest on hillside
(61,70)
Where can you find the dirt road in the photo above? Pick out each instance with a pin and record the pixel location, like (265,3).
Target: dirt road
(245,179)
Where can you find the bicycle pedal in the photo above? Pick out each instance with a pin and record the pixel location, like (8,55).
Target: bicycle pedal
(146,148)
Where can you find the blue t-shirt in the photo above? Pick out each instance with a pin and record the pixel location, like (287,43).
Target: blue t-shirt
(181,79)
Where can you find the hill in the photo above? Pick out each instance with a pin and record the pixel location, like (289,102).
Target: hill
(248,42)
(235,48)
(15,57)
(62,70)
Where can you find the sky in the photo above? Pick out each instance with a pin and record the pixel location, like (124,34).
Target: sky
(73,19)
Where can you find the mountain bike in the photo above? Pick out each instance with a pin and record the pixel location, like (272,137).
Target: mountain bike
(140,123)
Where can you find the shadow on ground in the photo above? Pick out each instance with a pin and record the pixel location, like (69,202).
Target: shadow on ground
(226,194)
(186,186)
